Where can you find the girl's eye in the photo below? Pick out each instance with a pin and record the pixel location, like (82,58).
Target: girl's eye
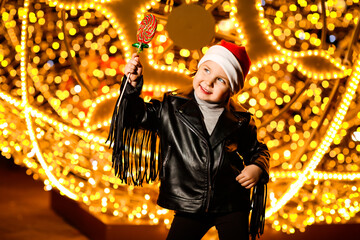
(206,70)
(221,80)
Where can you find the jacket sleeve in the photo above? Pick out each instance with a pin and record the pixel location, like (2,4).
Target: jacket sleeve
(258,152)
(133,127)
(137,113)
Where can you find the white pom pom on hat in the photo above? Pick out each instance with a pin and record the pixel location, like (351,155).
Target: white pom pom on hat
(233,59)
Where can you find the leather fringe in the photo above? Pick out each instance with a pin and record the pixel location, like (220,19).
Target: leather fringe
(258,206)
(134,157)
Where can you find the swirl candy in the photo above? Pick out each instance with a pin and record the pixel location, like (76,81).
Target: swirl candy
(147,29)
(146,32)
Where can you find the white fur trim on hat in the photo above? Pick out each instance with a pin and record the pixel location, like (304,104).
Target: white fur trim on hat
(228,62)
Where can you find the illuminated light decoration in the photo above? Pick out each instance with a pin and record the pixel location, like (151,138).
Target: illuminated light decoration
(25,103)
(351,176)
(274,81)
(61,127)
(297,185)
(299,67)
(299,54)
(55,100)
(93,138)
(317,156)
(70,129)
(356,136)
(10,99)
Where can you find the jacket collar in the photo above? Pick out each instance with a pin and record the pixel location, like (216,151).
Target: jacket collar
(233,117)
(189,109)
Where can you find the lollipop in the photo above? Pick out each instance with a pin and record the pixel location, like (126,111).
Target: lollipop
(145,32)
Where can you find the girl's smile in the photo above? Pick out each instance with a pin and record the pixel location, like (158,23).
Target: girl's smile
(205,91)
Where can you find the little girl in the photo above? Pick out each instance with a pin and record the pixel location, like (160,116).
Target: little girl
(210,156)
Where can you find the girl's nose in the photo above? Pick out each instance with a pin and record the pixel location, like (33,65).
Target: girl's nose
(209,81)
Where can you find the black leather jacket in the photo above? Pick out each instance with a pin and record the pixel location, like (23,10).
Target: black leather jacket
(198,171)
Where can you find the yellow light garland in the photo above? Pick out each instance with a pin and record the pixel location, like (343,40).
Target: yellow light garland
(25,103)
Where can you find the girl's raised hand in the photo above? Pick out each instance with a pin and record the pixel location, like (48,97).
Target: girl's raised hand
(134,67)
(249,176)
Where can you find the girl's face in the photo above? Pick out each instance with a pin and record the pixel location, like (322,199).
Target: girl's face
(211,83)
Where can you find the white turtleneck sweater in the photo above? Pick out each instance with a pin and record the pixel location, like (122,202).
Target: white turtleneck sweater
(211,113)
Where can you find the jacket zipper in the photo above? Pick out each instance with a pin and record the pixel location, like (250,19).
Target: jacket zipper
(208,162)
(209,184)
(208,198)
(165,161)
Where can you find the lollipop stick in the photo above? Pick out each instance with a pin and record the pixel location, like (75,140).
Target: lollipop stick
(127,79)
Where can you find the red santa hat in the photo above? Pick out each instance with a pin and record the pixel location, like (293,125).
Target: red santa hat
(233,59)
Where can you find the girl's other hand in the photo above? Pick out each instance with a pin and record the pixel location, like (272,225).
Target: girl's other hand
(134,67)
(249,176)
